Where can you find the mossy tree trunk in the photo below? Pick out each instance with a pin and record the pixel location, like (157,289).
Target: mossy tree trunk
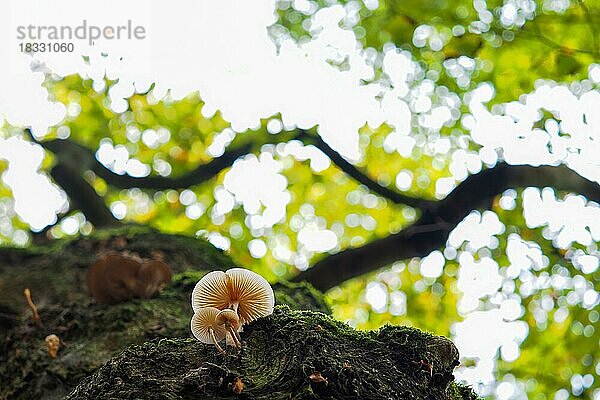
(142,348)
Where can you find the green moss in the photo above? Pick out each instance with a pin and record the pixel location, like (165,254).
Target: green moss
(94,333)
(279,354)
(300,296)
(459,391)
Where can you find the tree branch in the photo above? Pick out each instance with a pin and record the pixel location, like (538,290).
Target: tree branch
(431,231)
(361,177)
(201,174)
(83,195)
(68,174)
(537,33)
(82,158)
(592,25)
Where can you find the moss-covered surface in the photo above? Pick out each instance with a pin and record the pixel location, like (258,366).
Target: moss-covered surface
(56,272)
(93,333)
(279,355)
(280,352)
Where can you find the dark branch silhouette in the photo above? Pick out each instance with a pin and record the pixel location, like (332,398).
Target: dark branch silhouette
(200,174)
(82,195)
(80,157)
(361,177)
(431,231)
(68,174)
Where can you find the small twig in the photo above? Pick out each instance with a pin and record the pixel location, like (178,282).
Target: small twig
(36,317)
(555,45)
(591,24)
(222,368)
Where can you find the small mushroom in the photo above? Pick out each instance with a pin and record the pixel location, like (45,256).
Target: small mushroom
(245,292)
(153,276)
(206,329)
(34,313)
(52,344)
(230,320)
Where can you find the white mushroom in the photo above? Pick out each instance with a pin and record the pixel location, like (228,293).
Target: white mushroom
(244,291)
(206,329)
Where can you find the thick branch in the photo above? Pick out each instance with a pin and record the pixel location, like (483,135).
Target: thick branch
(82,195)
(68,174)
(82,158)
(434,227)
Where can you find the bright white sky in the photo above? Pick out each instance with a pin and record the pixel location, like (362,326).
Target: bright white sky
(223,49)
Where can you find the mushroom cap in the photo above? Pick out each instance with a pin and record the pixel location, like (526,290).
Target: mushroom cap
(211,291)
(203,321)
(228,316)
(252,294)
(248,293)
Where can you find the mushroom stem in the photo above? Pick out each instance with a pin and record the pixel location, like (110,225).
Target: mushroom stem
(212,335)
(238,337)
(234,336)
(234,306)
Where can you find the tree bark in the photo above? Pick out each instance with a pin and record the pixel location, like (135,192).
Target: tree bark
(288,355)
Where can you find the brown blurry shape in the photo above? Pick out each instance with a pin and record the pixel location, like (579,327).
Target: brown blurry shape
(52,344)
(120,242)
(155,275)
(116,278)
(157,255)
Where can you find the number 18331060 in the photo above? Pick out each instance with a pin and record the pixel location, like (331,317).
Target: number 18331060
(49,47)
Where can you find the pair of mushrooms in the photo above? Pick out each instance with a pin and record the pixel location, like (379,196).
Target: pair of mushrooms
(225,301)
